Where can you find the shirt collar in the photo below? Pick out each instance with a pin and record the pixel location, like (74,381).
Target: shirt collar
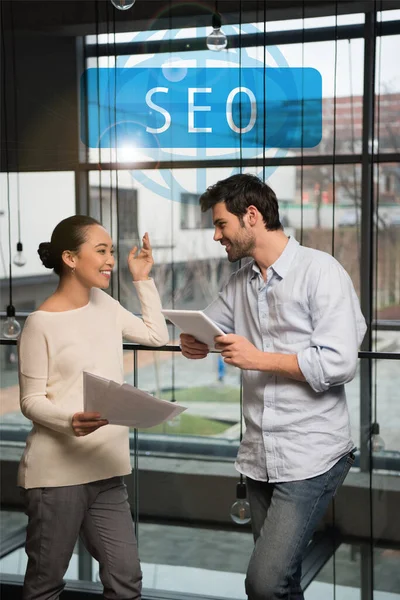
(282,264)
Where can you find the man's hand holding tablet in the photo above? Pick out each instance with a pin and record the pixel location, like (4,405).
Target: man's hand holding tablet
(198,331)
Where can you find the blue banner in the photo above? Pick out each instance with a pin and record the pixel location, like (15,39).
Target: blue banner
(180,107)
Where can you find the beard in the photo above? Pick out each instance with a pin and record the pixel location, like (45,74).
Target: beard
(241,248)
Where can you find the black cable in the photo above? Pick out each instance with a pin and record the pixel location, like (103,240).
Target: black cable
(302,126)
(353,145)
(14,79)
(258,140)
(241,170)
(117,198)
(78,172)
(98,112)
(333,252)
(6,140)
(173,271)
(173,274)
(377,134)
(334,132)
(135,448)
(265,89)
(374,242)
(117,207)
(110,127)
(241,93)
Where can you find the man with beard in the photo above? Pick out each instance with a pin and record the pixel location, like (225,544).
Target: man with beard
(293,325)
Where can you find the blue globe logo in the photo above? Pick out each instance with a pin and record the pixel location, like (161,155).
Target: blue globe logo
(175,69)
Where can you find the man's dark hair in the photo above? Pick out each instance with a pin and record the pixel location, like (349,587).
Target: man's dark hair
(238,192)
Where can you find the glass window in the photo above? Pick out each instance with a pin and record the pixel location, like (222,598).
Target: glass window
(387,116)
(164,203)
(385,410)
(210,391)
(341,576)
(387,236)
(101,199)
(233,30)
(320,205)
(340,65)
(342,90)
(44,199)
(314,22)
(389,15)
(191,215)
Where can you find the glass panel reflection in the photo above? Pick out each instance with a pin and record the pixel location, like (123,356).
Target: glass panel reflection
(208,388)
(339,63)
(340,578)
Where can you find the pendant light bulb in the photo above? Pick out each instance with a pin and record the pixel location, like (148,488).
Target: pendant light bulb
(217,40)
(240,510)
(377,442)
(11,328)
(123,4)
(19,259)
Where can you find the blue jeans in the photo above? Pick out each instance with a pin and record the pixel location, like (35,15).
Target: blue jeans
(284,517)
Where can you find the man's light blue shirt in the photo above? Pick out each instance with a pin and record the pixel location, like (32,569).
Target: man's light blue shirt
(308,306)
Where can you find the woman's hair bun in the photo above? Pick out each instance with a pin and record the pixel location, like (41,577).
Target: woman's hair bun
(46,255)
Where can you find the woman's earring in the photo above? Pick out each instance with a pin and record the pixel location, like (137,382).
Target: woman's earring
(73,270)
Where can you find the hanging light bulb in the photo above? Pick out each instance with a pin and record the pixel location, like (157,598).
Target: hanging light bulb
(240,510)
(377,442)
(19,259)
(217,40)
(123,4)
(11,327)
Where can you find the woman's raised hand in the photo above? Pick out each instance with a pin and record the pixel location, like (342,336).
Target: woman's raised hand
(84,423)
(140,265)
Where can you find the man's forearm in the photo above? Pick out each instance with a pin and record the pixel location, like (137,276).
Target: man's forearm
(285,365)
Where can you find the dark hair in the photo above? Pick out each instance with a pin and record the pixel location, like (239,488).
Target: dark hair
(69,234)
(238,192)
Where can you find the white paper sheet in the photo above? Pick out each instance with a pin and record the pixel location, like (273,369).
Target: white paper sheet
(124,404)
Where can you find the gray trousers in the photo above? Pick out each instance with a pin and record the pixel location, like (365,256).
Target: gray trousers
(99,512)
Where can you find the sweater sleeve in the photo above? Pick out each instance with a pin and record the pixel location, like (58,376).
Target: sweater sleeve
(151,329)
(33,379)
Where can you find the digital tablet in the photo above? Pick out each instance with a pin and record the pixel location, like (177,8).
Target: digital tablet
(195,323)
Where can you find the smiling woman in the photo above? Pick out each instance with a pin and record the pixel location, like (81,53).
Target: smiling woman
(80,248)
(74,461)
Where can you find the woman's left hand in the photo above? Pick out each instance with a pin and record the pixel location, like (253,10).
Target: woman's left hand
(140,265)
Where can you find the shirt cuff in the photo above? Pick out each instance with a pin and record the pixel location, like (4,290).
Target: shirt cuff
(309,361)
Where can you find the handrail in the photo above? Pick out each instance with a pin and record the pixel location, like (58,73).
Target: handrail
(379,324)
(174,348)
